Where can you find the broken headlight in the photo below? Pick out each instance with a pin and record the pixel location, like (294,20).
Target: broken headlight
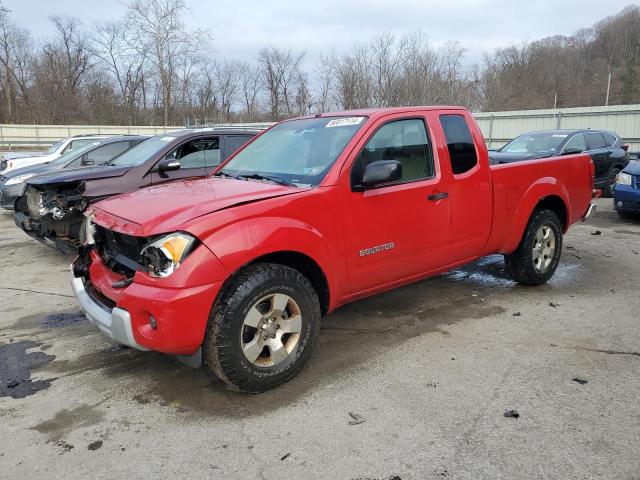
(164,255)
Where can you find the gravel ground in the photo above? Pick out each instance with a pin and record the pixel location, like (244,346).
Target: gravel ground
(412,384)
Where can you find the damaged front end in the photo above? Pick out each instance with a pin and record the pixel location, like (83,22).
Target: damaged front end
(53,215)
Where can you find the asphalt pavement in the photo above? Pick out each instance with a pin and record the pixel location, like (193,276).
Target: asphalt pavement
(411,384)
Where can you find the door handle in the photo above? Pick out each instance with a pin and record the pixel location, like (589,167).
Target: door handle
(438,196)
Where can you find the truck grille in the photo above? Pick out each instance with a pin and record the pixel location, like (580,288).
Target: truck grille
(119,252)
(34,199)
(637,181)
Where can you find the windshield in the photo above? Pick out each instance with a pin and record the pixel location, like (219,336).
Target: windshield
(141,152)
(300,151)
(53,148)
(73,154)
(539,142)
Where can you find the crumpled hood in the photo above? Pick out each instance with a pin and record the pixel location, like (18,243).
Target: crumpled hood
(164,208)
(504,157)
(78,174)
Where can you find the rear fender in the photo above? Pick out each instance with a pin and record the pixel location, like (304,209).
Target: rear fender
(538,191)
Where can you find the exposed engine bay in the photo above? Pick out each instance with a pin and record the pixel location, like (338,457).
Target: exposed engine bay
(54,215)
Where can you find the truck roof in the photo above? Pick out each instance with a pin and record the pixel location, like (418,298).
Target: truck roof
(379,112)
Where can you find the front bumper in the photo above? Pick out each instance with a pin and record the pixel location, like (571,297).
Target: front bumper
(626,199)
(146,317)
(114,324)
(9,195)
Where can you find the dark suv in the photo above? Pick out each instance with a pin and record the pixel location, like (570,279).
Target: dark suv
(51,209)
(608,151)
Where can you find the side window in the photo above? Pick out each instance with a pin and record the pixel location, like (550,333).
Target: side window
(609,139)
(204,152)
(462,148)
(577,143)
(103,154)
(234,142)
(595,140)
(403,140)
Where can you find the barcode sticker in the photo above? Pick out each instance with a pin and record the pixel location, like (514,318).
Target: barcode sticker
(344,122)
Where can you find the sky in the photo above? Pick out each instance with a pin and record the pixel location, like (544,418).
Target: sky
(241,27)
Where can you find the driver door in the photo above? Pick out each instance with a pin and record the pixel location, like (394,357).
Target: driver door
(399,230)
(195,157)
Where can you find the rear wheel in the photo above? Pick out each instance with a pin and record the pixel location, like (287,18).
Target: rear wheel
(262,328)
(537,257)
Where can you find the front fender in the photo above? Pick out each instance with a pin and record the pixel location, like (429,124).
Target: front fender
(540,189)
(239,243)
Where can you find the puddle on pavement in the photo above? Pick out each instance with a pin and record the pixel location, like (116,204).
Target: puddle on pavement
(486,272)
(64,319)
(16,365)
(67,420)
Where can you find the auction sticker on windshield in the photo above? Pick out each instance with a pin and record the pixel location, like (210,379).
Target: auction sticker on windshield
(344,122)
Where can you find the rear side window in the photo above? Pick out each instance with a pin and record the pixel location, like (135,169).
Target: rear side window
(576,144)
(595,140)
(609,139)
(462,149)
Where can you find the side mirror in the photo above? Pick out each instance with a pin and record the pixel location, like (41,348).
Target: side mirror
(380,172)
(168,166)
(85,161)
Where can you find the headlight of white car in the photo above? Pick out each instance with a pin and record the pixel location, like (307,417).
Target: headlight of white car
(19,179)
(163,256)
(623,179)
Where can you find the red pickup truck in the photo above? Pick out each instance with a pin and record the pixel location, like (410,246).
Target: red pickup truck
(235,271)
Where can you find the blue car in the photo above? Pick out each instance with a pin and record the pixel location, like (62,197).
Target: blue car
(626,196)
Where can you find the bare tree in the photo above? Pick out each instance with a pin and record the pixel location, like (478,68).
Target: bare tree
(280,73)
(112,45)
(63,65)
(227,74)
(161,35)
(250,85)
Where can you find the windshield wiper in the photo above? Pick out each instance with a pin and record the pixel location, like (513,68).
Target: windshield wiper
(230,175)
(260,176)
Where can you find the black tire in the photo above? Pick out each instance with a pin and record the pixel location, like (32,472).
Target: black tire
(82,232)
(520,264)
(222,349)
(627,215)
(612,174)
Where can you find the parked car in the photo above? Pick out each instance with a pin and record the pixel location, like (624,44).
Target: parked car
(608,150)
(626,197)
(98,152)
(237,269)
(20,154)
(57,149)
(51,209)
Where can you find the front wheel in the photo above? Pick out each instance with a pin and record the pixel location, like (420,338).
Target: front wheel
(612,177)
(537,257)
(262,328)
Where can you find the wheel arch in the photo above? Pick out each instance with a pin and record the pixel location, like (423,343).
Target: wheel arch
(546,193)
(304,264)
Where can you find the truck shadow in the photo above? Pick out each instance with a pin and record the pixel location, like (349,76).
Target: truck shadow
(351,336)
